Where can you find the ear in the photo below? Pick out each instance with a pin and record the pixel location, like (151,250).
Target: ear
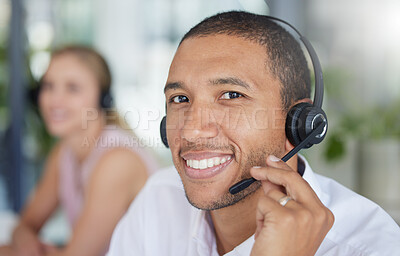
(288,145)
(292,162)
(306,100)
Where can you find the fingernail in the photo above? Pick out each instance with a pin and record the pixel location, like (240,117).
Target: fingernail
(256,166)
(274,158)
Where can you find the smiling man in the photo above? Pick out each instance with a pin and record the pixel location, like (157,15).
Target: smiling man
(231,83)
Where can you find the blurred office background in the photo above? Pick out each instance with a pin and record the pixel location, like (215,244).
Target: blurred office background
(357,42)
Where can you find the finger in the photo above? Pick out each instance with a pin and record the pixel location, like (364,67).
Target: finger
(277,163)
(270,203)
(272,161)
(276,195)
(267,211)
(295,185)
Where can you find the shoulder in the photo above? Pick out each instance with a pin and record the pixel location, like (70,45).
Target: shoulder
(119,168)
(120,156)
(53,159)
(118,138)
(361,226)
(120,161)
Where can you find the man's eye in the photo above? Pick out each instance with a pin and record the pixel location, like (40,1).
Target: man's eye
(231,95)
(179,99)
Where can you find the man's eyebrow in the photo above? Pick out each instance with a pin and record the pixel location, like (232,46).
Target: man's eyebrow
(173,86)
(230,80)
(223,80)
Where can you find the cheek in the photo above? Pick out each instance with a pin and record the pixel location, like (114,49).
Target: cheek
(247,119)
(261,124)
(86,100)
(174,125)
(256,133)
(43,100)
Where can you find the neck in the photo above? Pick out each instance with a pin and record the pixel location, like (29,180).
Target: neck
(83,141)
(235,224)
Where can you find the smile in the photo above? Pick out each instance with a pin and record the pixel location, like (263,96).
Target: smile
(57,115)
(207,163)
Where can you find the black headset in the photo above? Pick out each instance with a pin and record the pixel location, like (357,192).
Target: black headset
(106,99)
(306,124)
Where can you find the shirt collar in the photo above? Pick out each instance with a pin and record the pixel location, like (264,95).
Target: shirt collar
(203,237)
(309,176)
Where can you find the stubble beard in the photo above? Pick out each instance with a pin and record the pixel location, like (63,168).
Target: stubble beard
(254,158)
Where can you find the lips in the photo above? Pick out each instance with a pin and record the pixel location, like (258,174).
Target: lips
(57,115)
(205,165)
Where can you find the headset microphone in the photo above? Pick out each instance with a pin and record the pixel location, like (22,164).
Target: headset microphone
(245,183)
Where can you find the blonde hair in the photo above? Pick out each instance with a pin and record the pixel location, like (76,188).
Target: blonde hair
(98,65)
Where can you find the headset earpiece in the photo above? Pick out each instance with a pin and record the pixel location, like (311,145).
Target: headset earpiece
(301,120)
(106,100)
(33,95)
(292,125)
(163,131)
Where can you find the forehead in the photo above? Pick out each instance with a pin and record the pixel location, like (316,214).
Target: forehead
(66,64)
(204,57)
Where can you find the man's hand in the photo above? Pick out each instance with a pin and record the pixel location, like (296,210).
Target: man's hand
(299,227)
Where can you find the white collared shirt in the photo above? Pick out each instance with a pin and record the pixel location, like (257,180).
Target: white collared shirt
(161,222)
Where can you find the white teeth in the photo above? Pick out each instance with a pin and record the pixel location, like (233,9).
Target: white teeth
(195,164)
(203,164)
(206,163)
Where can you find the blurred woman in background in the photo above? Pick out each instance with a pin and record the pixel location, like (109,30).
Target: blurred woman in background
(94,171)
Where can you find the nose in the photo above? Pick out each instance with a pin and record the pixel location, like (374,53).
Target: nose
(199,123)
(56,96)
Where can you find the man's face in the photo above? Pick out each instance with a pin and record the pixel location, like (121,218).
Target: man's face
(224,116)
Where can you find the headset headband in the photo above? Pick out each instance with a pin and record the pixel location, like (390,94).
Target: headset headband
(319,82)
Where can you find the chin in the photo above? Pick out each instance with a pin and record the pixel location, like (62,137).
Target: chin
(59,130)
(211,197)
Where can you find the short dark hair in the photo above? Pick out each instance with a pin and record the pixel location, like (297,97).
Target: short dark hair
(286,58)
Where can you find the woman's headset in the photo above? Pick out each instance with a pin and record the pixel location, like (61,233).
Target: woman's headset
(106,99)
(306,123)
